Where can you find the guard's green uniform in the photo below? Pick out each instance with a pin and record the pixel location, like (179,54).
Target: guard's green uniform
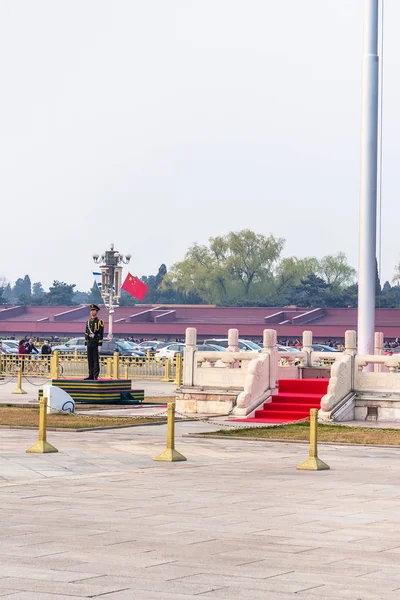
(93,340)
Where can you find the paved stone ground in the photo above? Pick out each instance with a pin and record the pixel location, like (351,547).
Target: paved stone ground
(101,519)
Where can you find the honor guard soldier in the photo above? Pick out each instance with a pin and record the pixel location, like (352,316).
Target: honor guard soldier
(93,340)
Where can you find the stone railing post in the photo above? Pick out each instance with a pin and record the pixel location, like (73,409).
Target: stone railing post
(378,349)
(269,347)
(188,356)
(233,340)
(307,347)
(350,343)
(350,348)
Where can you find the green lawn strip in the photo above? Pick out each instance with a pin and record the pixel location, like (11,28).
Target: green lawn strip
(29,417)
(326,433)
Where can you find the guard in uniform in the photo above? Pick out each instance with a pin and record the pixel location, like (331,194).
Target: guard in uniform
(93,340)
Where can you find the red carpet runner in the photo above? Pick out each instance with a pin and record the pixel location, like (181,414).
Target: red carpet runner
(293,401)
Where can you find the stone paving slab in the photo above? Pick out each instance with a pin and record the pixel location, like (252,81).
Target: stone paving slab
(236,521)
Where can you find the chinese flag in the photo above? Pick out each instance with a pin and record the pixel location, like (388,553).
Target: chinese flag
(135,287)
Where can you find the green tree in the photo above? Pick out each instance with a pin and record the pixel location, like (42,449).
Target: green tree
(290,271)
(239,264)
(61,294)
(310,292)
(335,270)
(3,299)
(8,292)
(94,294)
(37,289)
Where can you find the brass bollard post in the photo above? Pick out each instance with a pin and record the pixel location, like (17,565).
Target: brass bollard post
(54,365)
(313,463)
(167,370)
(42,446)
(19,389)
(116,365)
(108,368)
(170,454)
(179,370)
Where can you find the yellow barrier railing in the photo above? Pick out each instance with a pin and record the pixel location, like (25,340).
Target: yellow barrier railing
(32,365)
(73,364)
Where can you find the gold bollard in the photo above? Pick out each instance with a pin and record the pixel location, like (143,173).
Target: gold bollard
(19,389)
(167,370)
(54,365)
(108,368)
(179,370)
(42,446)
(313,463)
(116,365)
(170,454)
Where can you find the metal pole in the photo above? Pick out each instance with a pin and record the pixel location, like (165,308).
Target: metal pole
(368,191)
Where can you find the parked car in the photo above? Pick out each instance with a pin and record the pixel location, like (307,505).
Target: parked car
(390,351)
(8,347)
(243,345)
(323,348)
(170,351)
(77,343)
(123,348)
(210,348)
(152,345)
(287,348)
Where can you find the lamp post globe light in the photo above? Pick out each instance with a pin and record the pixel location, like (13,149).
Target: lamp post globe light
(111,278)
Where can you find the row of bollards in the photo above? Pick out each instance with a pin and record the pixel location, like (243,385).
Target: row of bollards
(170,454)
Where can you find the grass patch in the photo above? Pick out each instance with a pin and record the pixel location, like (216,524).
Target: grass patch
(326,433)
(29,417)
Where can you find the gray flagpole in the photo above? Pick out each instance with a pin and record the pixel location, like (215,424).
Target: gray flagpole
(368,188)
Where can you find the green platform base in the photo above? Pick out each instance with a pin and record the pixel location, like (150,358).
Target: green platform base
(100,391)
(170,456)
(313,464)
(42,448)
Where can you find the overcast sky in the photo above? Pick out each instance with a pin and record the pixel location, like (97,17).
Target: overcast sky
(157,123)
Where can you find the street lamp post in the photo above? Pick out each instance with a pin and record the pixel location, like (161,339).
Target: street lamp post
(111,278)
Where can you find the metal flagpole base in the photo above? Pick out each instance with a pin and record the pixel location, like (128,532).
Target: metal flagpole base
(313,464)
(170,456)
(42,448)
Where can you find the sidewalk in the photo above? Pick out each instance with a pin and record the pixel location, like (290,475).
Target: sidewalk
(101,519)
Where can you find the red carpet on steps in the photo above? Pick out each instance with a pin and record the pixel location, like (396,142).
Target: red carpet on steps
(293,401)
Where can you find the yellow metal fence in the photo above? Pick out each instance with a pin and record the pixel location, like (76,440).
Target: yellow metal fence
(69,365)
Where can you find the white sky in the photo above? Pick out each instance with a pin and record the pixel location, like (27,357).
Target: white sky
(153,124)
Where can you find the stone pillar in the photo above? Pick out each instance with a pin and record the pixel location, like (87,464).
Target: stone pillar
(350,343)
(269,347)
(188,356)
(350,348)
(378,349)
(307,347)
(233,338)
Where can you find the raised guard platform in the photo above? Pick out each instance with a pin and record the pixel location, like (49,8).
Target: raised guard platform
(100,391)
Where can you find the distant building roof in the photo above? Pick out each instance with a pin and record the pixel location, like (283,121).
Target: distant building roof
(171,320)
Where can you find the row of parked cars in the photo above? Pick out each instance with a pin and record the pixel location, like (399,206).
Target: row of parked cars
(160,349)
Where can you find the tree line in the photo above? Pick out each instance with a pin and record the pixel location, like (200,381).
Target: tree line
(237,269)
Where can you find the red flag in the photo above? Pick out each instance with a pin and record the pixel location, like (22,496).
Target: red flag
(135,287)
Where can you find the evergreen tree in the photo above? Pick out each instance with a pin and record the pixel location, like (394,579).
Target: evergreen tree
(60,294)
(94,295)
(37,289)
